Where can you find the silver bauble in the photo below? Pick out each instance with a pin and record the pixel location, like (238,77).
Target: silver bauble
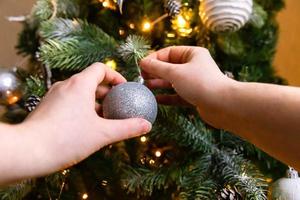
(10,87)
(130,100)
(225,15)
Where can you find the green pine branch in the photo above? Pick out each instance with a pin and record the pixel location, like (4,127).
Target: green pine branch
(197,182)
(144,181)
(75,47)
(173,126)
(17,191)
(35,86)
(238,172)
(46,9)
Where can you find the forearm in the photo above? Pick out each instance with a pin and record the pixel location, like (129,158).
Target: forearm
(20,154)
(267,116)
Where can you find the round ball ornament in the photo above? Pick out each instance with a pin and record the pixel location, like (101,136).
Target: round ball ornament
(225,15)
(10,87)
(130,100)
(287,188)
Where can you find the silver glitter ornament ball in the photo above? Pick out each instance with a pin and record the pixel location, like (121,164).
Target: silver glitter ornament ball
(10,87)
(130,100)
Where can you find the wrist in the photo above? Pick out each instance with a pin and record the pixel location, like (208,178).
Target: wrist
(219,102)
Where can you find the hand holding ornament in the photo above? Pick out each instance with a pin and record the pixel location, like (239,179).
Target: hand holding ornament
(65,128)
(254,111)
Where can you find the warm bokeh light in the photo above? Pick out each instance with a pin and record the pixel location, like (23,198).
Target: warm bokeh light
(121,32)
(105,4)
(182,23)
(152,162)
(109,4)
(146,26)
(158,153)
(65,172)
(269,180)
(171,35)
(13,100)
(85,196)
(143,139)
(112,64)
(132,26)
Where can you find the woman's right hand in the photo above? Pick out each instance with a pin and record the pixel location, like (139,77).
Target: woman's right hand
(193,74)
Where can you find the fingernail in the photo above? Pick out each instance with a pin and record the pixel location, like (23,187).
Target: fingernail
(147,126)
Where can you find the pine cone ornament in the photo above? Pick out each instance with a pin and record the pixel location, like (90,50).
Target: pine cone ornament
(32,102)
(173,7)
(229,194)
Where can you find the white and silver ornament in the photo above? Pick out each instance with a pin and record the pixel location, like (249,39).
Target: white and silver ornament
(10,87)
(130,100)
(287,188)
(225,15)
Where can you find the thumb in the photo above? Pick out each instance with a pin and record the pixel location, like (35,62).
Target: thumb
(158,68)
(127,128)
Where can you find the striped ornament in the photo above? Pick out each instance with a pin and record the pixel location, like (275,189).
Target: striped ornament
(225,15)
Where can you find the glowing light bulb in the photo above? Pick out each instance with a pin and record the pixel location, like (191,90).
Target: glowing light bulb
(85,196)
(65,172)
(269,180)
(105,4)
(171,35)
(181,22)
(143,139)
(143,160)
(13,100)
(108,4)
(158,153)
(146,26)
(151,162)
(121,31)
(132,26)
(112,64)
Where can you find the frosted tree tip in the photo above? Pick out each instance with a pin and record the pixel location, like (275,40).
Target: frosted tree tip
(134,48)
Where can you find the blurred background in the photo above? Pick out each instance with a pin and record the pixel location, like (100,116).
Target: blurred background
(286,61)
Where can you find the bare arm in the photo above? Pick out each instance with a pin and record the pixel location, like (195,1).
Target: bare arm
(264,114)
(267,116)
(65,128)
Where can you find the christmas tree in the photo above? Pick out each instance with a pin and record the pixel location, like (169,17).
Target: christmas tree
(182,158)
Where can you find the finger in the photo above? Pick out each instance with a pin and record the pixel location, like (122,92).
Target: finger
(148,76)
(158,84)
(158,68)
(99,72)
(173,54)
(125,129)
(172,100)
(102,91)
